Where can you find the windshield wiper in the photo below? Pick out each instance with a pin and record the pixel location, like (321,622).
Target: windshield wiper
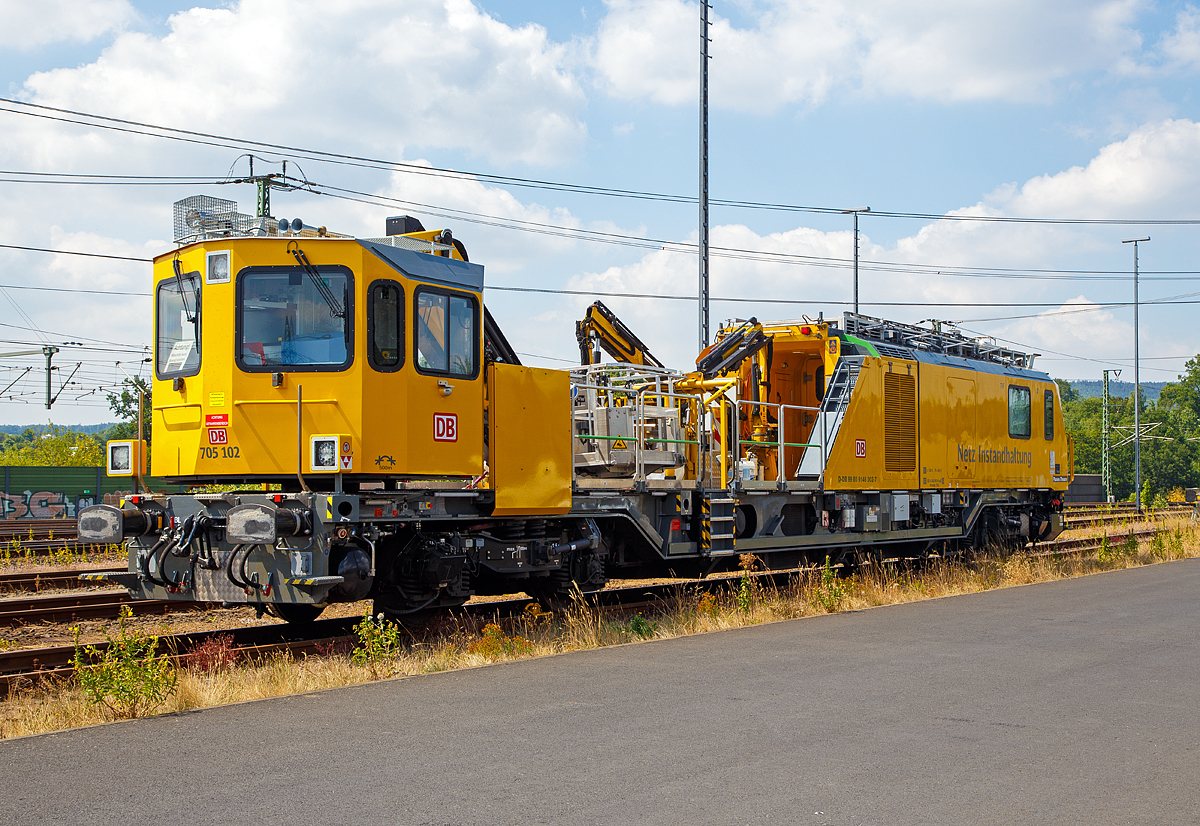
(191,317)
(335,308)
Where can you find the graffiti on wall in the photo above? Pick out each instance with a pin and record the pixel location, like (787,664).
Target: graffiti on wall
(42,504)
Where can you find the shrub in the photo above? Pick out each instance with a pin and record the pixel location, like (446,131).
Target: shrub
(213,655)
(128,678)
(493,644)
(642,627)
(378,644)
(830,591)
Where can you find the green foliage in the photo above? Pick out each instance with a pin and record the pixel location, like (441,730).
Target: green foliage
(128,678)
(642,627)
(745,596)
(53,446)
(1158,545)
(125,406)
(1112,552)
(378,644)
(1169,459)
(830,593)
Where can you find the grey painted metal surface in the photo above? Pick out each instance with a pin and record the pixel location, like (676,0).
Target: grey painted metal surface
(1070,702)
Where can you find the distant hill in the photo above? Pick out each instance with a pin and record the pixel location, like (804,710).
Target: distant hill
(1088,389)
(81,428)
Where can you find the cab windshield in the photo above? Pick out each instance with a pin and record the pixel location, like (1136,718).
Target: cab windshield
(289,318)
(177,342)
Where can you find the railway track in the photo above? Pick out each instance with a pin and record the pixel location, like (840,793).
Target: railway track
(27,666)
(25,582)
(82,605)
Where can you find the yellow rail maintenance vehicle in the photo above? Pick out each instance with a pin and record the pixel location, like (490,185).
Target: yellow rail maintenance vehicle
(370,433)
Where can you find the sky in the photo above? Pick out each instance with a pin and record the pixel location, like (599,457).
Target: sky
(1079,116)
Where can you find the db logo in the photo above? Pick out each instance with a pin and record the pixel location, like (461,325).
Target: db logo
(445,427)
(218,436)
(860,448)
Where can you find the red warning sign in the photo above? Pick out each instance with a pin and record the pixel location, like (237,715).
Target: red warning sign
(216,420)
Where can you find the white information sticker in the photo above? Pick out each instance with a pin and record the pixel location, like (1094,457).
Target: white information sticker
(180,352)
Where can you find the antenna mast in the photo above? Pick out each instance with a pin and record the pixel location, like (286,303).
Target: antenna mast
(704,7)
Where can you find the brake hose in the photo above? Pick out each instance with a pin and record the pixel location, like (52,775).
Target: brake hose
(229,566)
(144,564)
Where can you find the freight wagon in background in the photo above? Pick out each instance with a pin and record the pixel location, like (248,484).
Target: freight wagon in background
(419,462)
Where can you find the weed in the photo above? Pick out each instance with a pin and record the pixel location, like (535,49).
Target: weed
(745,596)
(214,654)
(830,591)
(334,648)
(1175,543)
(493,644)
(128,678)
(378,644)
(1158,545)
(707,606)
(642,627)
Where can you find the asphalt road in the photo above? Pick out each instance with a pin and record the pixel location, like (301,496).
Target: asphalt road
(1073,702)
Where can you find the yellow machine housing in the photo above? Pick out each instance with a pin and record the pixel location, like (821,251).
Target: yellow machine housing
(252,359)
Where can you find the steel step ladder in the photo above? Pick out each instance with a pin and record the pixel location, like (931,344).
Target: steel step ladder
(829,419)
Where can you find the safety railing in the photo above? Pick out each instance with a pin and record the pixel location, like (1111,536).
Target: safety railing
(779,444)
(651,432)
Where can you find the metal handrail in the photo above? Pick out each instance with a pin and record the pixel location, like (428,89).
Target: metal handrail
(780,442)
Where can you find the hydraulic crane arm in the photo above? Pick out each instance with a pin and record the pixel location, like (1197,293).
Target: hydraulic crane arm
(601,328)
(732,350)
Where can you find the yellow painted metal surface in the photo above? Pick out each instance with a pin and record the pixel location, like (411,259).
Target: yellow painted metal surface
(226,421)
(529,411)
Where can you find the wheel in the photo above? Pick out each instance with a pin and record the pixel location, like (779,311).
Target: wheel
(556,591)
(295,613)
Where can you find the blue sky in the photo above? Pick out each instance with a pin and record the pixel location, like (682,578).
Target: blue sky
(1010,109)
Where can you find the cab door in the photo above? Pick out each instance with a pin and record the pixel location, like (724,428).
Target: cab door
(445,388)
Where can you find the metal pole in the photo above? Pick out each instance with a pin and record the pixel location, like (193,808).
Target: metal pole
(1105,467)
(49,352)
(1137,385)
(704,6)
(856,213)
(856,263)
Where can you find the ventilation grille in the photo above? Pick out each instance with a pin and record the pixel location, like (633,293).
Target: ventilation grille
(899,423)
(891,351)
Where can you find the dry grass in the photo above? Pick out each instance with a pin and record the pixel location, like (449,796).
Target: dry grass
(455,642)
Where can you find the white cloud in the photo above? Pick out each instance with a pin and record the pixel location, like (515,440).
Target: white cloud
(26,25)
(1153,173)
(1079,325)
(373,74)
(798,51)
(1181,46)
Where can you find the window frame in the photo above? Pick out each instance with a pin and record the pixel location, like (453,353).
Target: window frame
(163,375)
(1029,406)
(1048,411)
(477,332)
(400,340)
(238,331)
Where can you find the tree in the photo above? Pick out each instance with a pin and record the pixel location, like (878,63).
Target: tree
(125,405)
(55,447)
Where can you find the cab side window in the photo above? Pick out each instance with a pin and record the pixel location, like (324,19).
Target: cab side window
(385,323)
(1020,424)
(447,333)
(1049,414)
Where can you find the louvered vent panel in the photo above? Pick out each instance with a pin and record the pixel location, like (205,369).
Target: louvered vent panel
(899,423)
